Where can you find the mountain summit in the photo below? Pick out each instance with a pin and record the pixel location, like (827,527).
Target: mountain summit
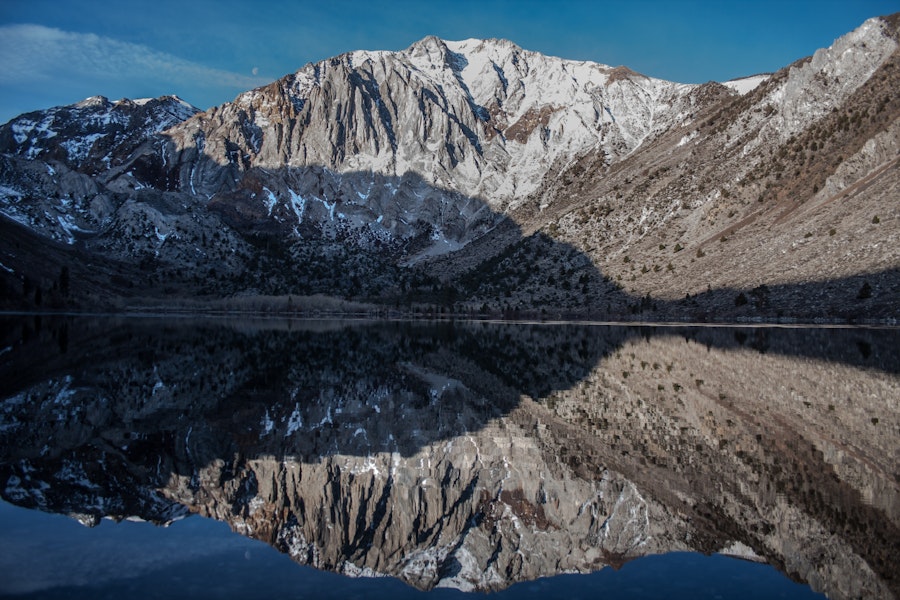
(478,176)
(481,119)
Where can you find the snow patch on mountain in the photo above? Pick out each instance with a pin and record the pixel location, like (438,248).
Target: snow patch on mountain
(745,85)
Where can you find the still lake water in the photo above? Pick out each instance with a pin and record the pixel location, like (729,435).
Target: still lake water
(154,457)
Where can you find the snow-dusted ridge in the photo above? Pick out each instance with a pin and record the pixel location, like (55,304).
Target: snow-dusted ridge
(66,147)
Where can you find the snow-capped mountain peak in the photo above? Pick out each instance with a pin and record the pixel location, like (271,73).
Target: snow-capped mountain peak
(482,117)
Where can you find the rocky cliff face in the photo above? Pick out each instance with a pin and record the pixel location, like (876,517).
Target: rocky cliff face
(481,117)
(410,177)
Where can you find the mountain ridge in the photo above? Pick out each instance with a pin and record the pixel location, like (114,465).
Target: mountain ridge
(411,157)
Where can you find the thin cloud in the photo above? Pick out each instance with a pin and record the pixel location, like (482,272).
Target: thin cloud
(34,53)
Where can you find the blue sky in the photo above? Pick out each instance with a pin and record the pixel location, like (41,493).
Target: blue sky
(56,52)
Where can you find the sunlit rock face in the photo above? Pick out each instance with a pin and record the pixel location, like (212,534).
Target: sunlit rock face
(471,455)
(483,117)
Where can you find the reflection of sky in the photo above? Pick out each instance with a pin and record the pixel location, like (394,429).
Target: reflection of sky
(50,556)
(33,546)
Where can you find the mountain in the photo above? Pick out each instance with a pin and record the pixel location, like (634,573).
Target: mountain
(482,118)
(475,176)
(55,160)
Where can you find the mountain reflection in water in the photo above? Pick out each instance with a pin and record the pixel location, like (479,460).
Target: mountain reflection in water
(471,455)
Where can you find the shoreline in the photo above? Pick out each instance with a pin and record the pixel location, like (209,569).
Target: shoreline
(425,316)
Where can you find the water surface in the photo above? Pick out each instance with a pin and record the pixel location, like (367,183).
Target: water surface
(451,457)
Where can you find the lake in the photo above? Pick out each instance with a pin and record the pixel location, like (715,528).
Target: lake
(225,457)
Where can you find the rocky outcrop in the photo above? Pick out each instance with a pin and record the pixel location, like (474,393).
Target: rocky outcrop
(93,135)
